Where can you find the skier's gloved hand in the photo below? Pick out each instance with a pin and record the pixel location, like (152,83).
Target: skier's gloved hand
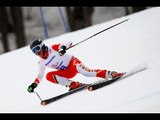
(62,50)
(32,87)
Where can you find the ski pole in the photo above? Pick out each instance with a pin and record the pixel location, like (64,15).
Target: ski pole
(38,96)
(98,33)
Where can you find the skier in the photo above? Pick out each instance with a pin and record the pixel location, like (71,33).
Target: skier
(67,66)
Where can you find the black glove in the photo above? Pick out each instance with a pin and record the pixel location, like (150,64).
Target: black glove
(32,87)
(62,50)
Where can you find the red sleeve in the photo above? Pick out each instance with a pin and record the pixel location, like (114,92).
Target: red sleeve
(36,81)
(55,47)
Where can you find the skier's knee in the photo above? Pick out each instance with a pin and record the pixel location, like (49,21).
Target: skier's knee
(51,77)
(57,79)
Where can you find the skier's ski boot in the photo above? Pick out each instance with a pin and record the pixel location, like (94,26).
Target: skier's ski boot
(113,74)
(116,74)
(75,85)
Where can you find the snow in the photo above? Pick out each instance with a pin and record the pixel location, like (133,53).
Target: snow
(120,48)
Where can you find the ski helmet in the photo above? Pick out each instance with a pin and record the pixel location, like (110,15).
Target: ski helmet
(37,45)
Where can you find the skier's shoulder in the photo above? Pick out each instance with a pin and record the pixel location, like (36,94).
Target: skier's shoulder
(55,46)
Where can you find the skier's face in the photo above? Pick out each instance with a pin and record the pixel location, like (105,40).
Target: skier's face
(42,54)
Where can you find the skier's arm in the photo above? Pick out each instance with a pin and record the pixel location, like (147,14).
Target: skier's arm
(61,48)
(38,78)
(41,70)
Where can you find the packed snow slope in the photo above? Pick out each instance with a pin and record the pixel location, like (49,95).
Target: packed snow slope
(134,42)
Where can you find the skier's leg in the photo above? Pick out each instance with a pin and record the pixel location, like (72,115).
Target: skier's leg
(82,69)
(64,81)
(58,80)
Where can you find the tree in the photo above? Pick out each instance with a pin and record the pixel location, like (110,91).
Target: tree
(130,10)
(11,20)
(4,28)
(18,26)
(79,17)
(137,9)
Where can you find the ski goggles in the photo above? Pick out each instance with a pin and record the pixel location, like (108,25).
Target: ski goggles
(37,48)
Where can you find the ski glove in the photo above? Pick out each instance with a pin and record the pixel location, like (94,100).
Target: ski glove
(32,87)
(62,50)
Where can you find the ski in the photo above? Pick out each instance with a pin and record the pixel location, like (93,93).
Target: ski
(53,99)
(102,83)
(95,85)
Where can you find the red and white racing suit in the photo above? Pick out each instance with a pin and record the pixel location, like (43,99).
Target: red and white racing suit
(67,67)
